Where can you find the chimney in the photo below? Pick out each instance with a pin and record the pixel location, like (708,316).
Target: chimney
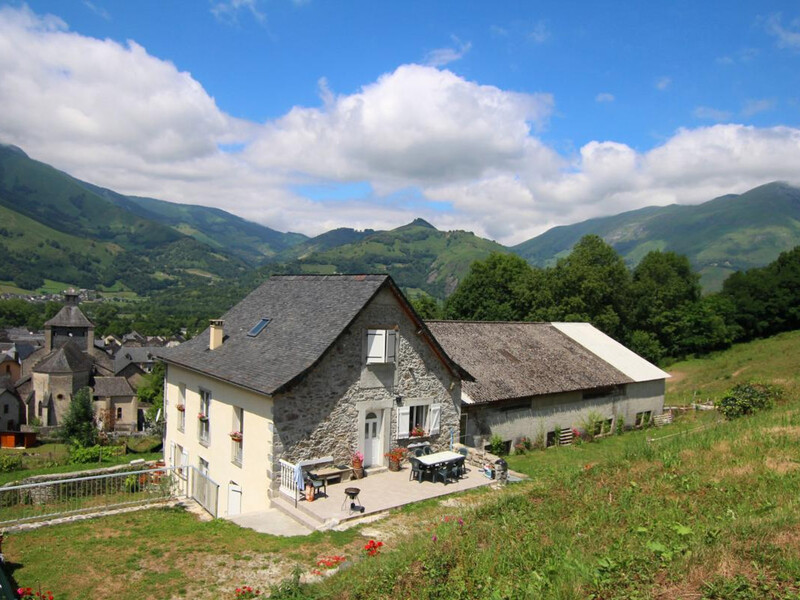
(216,334)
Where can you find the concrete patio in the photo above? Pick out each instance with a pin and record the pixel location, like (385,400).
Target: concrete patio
(380,491)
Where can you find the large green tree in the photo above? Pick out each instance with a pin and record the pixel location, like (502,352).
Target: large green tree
(495,289)
(591,284)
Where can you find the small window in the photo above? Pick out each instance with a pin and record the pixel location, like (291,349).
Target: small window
(119,412)
(5,409)
(381,346)
(258,327)
(603,427)
(643,418)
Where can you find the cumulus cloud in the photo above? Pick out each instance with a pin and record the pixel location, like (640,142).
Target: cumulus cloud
(119,117)
(444,56)
(604,97)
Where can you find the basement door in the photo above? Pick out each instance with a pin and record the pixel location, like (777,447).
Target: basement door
(234,499)
(373,441)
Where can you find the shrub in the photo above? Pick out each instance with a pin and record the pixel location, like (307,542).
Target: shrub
(10,462)
(589,423)
(748,398)
(496,445)
(132,484)
(85,454)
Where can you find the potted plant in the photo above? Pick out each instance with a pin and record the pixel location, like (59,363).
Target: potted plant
(236,436)
(417,431)
(395,456)
(357,462)
(181,407)
(202,416)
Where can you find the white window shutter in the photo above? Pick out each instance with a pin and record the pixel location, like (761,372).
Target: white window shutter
(391,346)
(434,417)
(376,346)
(403,418)
(184,459)
(172,454)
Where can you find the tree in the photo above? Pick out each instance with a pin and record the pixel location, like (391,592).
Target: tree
(151,390)
(591,284)
(493,290)
(426,307)
(78,425)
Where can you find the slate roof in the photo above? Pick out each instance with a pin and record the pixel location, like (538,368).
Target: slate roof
(70,316)
(112,386)
(129,354)
(308,312)
(67,359)
(520,360)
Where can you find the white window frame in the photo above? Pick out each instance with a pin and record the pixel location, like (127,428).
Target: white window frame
(204,427)
(433,418)
(237,446)
(182,402)
(381,346)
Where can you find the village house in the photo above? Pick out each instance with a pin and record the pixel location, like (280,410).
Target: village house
(305,367)
(540,380)
(69,360)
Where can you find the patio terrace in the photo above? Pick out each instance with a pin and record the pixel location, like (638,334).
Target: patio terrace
(380,490)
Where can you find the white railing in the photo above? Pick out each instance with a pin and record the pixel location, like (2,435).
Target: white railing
(89,494)
(205,491)
(288,483)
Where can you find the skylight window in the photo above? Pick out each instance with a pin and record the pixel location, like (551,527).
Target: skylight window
(258,327)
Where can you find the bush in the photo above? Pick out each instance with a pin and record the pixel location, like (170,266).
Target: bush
(497,446)
(748,398)
(10,462)
(87,454)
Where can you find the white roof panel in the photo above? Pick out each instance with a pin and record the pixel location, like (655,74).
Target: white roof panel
(611,351)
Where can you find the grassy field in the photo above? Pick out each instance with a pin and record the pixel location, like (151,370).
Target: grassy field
(700,509)
(773,360)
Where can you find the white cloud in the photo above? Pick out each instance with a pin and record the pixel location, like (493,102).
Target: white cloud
(97,9)
(119,117)
(227,11)
(604,97)
(754,106)
(444,56)
(539,33)
(663,83)
(711,114)
(787,37)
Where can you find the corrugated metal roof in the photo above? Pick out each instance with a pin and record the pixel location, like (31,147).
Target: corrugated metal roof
(611,351)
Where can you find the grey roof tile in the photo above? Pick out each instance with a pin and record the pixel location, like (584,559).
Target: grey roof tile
(112,386)
(70,316)
(519,360)
(67,359)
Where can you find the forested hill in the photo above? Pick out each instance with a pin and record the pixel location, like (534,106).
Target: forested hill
(417,255)
(54,227)
(727,234)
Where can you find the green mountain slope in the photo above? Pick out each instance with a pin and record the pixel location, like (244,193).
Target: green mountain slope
(325,241)
(723,235)
(417,255)
(56,228)
(221,230)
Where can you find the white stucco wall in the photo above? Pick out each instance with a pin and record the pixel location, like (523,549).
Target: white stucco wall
(256,442)
(546,413)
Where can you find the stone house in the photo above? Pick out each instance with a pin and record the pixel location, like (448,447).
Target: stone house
(116,405)
(535,380)
(304,367)
(10,406)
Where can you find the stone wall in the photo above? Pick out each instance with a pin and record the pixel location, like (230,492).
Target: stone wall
(324,414)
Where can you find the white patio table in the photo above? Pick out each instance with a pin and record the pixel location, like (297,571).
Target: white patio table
(438,458)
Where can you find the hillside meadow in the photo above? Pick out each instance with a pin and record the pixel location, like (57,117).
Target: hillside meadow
(703,508)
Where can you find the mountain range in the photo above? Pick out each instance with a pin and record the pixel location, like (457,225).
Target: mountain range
(56,227)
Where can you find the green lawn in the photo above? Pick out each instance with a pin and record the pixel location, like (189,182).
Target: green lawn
(699,509)
(774,360)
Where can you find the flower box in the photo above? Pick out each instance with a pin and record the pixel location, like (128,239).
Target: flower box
(236,436)
(202,417)
(181,407)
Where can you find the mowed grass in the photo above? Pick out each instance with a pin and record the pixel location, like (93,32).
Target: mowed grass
(773,360)
(700,509)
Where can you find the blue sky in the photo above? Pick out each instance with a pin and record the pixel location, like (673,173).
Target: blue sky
(501,118)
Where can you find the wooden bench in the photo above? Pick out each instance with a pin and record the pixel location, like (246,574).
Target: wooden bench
(334,474)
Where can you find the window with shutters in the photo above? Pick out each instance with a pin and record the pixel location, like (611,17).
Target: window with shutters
(381,346)
(418,419)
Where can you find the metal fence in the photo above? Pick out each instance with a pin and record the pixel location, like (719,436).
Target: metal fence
(205,490)
(43,501)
